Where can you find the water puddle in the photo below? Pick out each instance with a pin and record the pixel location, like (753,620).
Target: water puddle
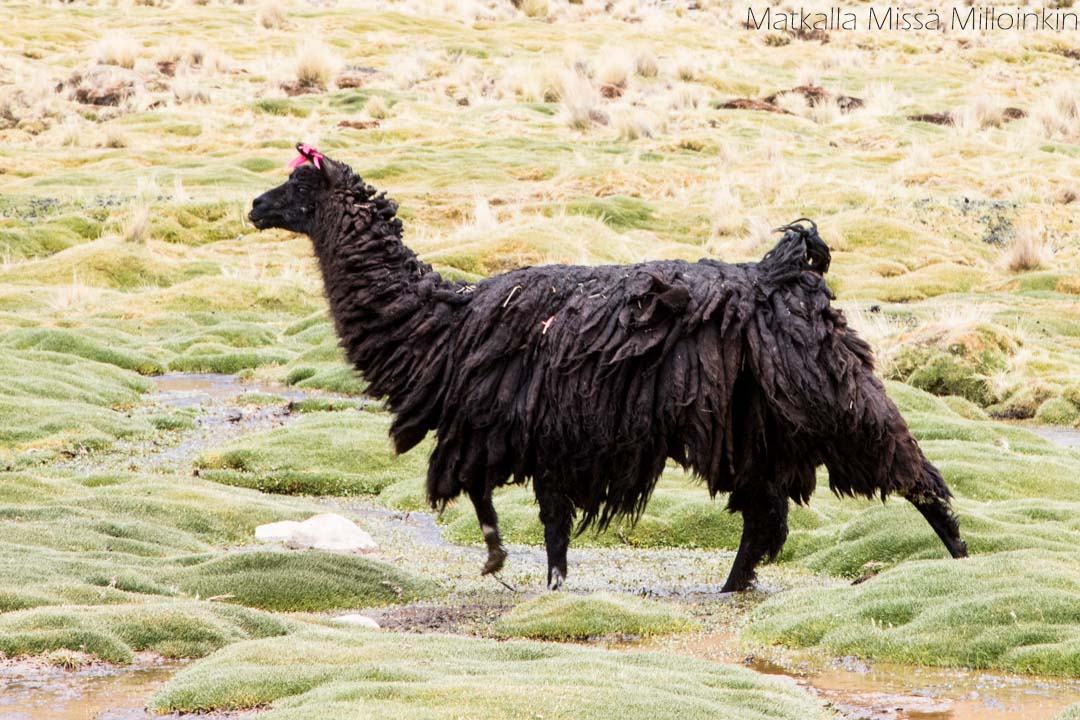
(196,389)
(1065,437)
(860,690)
(34,691)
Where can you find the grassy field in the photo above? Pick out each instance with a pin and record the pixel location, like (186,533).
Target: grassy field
(551,132)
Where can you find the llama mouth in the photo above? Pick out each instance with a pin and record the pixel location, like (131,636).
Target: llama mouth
(257,220)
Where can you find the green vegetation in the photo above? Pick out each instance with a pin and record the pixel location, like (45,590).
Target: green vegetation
(293,581)
(955,362)
(560,132)
(562,616)
(1011,610)
(66,342)
(112,564)
(63,401)
(322,453)
(360,674)
(1070,713)
(319,404)
(180,629)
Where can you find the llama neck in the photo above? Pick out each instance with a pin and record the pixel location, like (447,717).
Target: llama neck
(389,308)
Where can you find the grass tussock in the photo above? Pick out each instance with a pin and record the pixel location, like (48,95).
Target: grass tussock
(1070,713)
(323,453)
(117,48)
(291,581)
(377,107)
(561,616)
(316,65)
(112,564)
(1011,610)
(116,632)
(360,674)
(1029,250)
(271,16)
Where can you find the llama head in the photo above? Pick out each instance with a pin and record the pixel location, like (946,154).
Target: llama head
(293,204)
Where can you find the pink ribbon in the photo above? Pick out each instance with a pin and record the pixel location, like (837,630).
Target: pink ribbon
(307,153)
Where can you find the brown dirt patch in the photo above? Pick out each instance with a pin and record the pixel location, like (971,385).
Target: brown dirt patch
(359,124)
(753,104)
(466,619)
(942,118)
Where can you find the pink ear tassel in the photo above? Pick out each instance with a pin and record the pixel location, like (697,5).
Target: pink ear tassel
(306,153)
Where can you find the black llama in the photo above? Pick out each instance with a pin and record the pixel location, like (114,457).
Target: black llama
(586,380)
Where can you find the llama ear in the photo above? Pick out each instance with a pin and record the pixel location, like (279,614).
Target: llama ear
(331,171)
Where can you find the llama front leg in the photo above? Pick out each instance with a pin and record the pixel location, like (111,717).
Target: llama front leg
(764,532)
(557,515)
(489,525)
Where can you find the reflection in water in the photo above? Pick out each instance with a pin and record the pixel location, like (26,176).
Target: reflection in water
(195,389)
(887,691)
(35,692)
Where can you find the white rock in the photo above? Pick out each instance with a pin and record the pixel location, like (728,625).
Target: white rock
(276,532)
(330,532)
(358,620)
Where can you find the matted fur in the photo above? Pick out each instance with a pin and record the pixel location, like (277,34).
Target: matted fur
(586,380)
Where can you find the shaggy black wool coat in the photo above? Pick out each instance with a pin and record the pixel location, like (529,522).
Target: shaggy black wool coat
(587,380)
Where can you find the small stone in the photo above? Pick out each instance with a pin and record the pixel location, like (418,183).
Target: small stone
(358,620)
(276,532)
(330,532)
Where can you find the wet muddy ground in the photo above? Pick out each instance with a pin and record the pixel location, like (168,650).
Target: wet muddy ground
(34,690)
(857,690)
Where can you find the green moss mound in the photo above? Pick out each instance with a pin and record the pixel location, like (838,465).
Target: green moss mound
(106,350)
(376,676)
(894,534)
(309,581)
(1010,610)
(105,263)
(196,223)
(329,376)
(113,564)
(222,359)
(956,361)
(1070,713)
(1058,411)
(115,632)
(323,453)
(54,400)
(561,616)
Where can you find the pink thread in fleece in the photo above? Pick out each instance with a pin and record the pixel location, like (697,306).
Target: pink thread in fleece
(307,153)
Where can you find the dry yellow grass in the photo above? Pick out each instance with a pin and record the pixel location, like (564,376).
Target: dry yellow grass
(1029,249)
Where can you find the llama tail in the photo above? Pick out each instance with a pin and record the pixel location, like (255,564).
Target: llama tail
(931,498)
(800,248)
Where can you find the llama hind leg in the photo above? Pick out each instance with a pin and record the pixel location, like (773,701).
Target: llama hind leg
(764,532)
(489,525)
(939,514)
(557,515)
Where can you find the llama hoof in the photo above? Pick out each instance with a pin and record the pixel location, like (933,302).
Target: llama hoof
(496,558)
(959,549)
(730,587)
(555,578)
